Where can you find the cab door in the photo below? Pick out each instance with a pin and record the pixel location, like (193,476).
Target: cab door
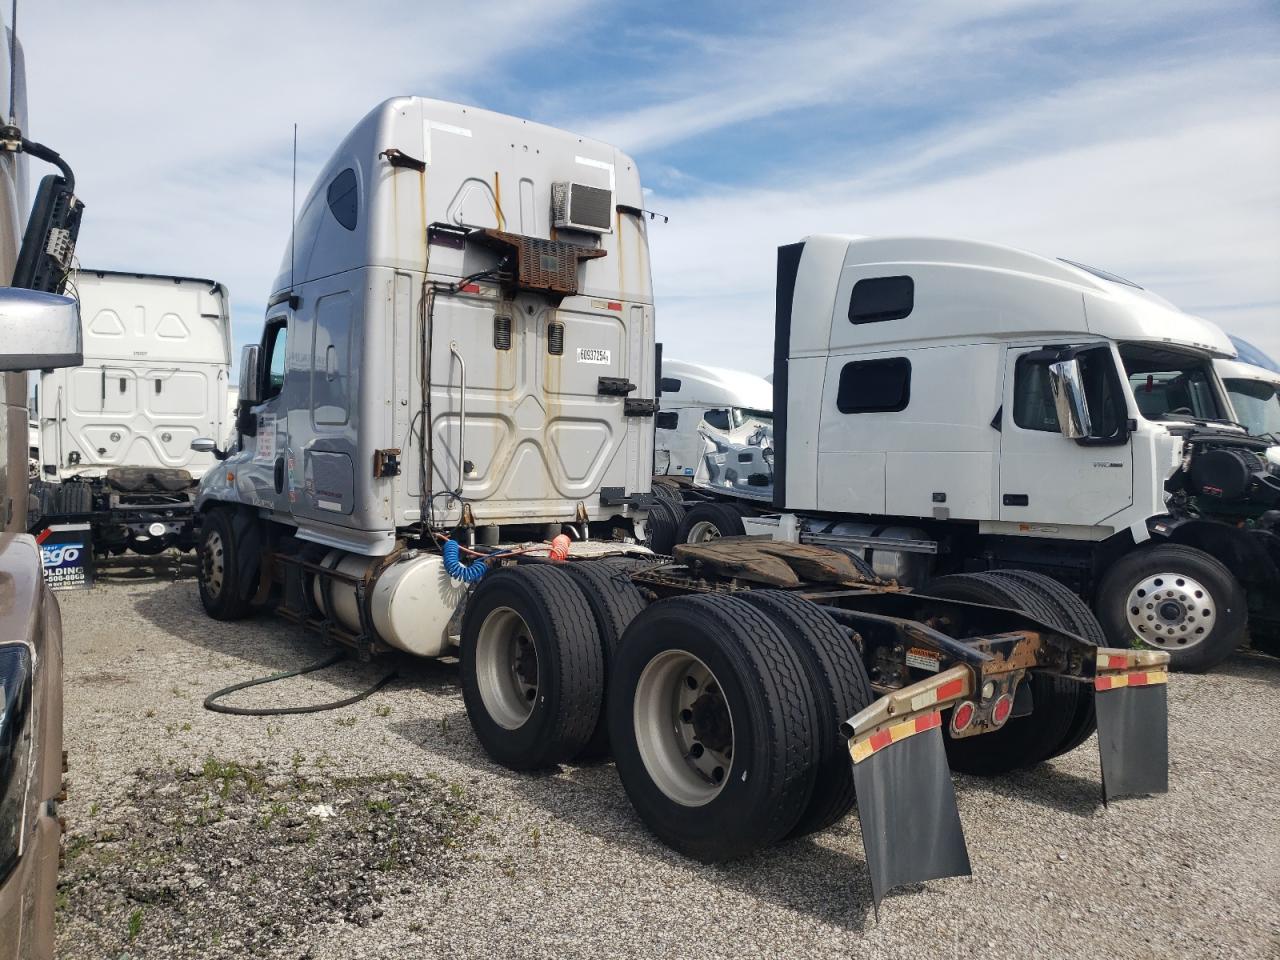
(1045,477)
(267,476)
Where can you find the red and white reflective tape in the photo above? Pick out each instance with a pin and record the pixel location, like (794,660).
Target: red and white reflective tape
(1135,678)
(866,745)
(942,693)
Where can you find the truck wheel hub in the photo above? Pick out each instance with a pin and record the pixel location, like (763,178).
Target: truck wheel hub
(506,667)
(1171,610)
(684,728)
(213,563)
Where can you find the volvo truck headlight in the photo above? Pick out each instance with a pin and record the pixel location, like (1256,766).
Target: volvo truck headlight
(15,750)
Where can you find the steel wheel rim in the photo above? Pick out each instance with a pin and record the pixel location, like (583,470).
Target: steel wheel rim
(215,564)
(1171,611)
(507,670)
(702,531)
(684,728)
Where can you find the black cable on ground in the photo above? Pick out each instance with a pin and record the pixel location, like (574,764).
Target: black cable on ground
(211,704)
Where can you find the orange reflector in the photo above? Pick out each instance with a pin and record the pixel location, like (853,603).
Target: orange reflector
(865,746)
(1136,678)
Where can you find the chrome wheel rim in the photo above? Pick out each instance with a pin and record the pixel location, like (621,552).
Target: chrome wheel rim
(702,531)
(1171,611)
(684,728)
(506,668)
(215,563)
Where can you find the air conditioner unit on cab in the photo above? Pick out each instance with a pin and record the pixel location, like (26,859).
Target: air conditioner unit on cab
(576,206)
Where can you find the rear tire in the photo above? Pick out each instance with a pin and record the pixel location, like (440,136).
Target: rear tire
(663,525)
(666,489)
(841,688)
(751,697)
(614,601)
(1198,606)
(223,593)
(1056,702)
(532,670)
(710,521)
(1074,616)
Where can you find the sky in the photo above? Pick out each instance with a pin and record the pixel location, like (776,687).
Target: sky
(1140,137)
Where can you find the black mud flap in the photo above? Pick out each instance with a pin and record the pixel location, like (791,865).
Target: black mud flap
(911,828)
(1133,740)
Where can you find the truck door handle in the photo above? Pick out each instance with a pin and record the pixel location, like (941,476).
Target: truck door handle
(1016,500)
(279,475)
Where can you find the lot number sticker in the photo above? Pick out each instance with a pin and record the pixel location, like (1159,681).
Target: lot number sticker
(592,355)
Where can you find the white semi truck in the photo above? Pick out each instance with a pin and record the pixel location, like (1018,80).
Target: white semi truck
(1252,382)
(457,365)
(947,406)
(115,433)
(713,452)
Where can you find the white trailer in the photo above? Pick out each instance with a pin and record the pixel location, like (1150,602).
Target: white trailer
(116,433)
(460,359)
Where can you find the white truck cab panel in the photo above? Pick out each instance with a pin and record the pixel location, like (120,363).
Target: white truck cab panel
(930,405)
(534,401)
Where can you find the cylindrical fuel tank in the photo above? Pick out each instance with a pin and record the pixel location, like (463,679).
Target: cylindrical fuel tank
(412,601)
(909,569)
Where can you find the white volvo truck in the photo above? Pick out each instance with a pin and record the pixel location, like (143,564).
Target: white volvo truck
(457,365)
(946,406)
(116,432)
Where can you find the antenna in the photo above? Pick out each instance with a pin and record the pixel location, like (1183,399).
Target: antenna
(13,64)
(293,223)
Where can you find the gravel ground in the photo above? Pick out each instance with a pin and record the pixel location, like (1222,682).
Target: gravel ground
(382,830)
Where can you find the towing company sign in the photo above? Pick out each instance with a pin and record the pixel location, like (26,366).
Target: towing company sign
(66,551)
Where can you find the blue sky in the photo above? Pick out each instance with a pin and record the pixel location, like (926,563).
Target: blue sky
(1141,137)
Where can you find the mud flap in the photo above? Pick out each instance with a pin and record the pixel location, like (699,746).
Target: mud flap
(1132,706)
(1133,739)
(911,829)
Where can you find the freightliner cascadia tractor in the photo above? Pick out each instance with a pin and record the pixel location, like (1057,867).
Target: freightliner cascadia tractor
(444,445)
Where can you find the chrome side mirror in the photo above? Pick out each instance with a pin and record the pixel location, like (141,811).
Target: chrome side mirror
(38,331)
(250,376)
(1067,385)
(204,445)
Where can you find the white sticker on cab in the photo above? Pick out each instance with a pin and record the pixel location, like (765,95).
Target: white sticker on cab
(592,355)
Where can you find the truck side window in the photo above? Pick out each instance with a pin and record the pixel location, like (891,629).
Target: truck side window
(875,386)
(881,298)
(276,342)
(717,418)
(344,198)
(1033,407)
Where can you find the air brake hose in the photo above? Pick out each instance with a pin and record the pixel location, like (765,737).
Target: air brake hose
(210,702)
(468,572)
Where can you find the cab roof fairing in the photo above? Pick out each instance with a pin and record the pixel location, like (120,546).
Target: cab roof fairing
(706,386)
(1114,310)
(1239,370)
(483,169)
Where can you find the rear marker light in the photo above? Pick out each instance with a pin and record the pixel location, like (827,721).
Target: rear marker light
(962,716)
(1000,712)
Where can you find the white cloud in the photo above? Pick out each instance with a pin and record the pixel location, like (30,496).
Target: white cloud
(178,118)
(1166,176)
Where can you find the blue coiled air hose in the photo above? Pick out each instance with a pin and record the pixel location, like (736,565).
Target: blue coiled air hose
(466,572)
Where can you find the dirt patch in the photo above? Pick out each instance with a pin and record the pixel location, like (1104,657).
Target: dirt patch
(228,861)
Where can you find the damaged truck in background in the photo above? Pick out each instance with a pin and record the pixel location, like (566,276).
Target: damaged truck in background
(115,433)
(444,445)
